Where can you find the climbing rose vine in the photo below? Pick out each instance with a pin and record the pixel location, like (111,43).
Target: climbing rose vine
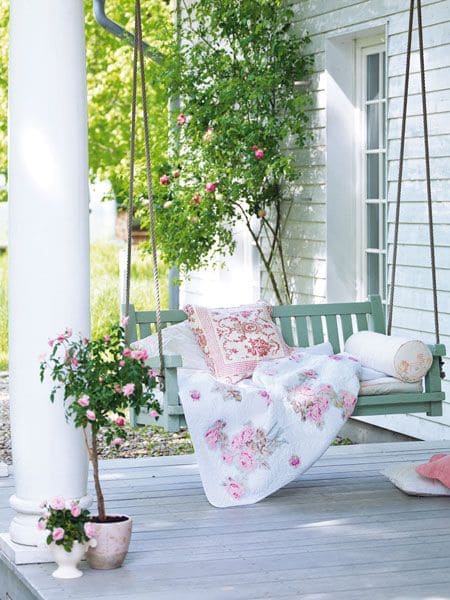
(241,115)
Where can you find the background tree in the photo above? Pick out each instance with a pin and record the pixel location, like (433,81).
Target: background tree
(235,72)
(109,66)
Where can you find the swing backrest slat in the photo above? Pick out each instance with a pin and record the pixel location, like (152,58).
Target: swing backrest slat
(300,324)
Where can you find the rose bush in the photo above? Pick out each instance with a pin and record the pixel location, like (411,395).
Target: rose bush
(66,523)
(101,380)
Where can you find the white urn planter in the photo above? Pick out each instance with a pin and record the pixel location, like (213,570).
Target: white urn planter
(113,539)
(68,561)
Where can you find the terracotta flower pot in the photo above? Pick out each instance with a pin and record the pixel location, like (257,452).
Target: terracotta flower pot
(113,538)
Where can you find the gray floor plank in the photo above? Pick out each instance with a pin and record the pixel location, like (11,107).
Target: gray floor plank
(306,541)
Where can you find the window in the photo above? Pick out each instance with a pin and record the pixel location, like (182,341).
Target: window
(373,170)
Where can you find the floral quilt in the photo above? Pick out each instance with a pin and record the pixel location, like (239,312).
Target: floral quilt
(254,437)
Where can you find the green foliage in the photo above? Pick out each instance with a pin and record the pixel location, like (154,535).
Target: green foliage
(70,523)
(109,67)
(236,74)
(105,309)
(109,78)
(100,378)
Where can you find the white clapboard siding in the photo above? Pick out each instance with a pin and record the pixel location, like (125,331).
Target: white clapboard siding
(305,233)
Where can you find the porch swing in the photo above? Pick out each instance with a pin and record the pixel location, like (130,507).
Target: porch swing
(301,324)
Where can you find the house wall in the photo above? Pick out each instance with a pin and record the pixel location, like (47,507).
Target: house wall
(307,250)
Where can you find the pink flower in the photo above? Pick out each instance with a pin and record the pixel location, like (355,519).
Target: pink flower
(128,389)
(211,186)
(83,400)
(176,174)
(295,461)
(117,441)
(58,534)
(75,510)
(85,341)
(124,321)
(58,503)
(153,373)
(61,337)
(90,414)
(51,342)
(107,338)
(181,119)
(75,362)
(42,524)
(126,352)
(267,397)
(139,355)
(259,154)
(164,180)
(196,199)
(118,388)
(235,490)
(326,388)
(310,374)
(247,460)
(227,458)
(89,529)
(247,434)
(121,363)
(208,135)
(195,395)
(212,437)
(154,413)
(120,421)
(236,443)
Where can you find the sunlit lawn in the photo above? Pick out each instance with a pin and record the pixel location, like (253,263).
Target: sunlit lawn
(104,290)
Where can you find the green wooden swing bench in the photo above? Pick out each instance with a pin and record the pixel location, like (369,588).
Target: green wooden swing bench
(302,325)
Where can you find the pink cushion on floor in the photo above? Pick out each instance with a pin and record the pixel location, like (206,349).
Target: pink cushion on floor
(235,339)
(438,468)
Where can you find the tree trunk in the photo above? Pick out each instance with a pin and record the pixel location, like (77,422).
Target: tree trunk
(98,489)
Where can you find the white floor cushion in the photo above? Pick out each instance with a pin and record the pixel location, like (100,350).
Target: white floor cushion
(405,477)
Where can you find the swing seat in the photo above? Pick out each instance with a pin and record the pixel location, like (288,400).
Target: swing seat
(302,325)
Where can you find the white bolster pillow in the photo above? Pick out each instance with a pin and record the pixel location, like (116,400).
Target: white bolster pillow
(400,357)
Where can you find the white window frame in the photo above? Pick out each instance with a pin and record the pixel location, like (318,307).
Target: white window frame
(363,48)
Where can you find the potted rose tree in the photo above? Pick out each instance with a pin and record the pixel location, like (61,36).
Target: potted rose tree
(101,380)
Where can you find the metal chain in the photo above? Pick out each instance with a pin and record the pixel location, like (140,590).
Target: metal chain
(428,171)
(151,206)
(400,169)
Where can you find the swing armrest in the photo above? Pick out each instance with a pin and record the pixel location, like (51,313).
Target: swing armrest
(433,377)
(172,410)
(171,361)
(437,349)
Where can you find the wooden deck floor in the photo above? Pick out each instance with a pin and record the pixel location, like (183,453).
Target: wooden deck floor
(340,532)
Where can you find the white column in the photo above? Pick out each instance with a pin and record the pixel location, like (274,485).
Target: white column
(48,244)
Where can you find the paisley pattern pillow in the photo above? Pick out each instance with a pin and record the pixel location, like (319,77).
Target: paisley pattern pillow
(235,339)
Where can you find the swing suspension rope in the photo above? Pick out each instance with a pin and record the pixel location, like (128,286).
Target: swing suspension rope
(139,69)
(427,170)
